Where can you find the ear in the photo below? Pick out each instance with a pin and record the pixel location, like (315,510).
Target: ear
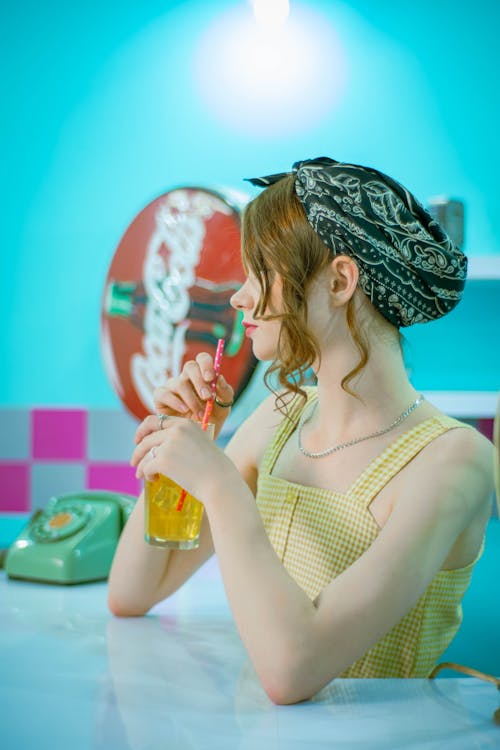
(343,279)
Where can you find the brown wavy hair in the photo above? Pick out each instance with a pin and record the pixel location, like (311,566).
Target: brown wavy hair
(277,239)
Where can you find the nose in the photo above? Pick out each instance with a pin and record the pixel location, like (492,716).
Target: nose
(242,300)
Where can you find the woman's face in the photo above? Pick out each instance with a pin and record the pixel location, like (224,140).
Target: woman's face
(263,333)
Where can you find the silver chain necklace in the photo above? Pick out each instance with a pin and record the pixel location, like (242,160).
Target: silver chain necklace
(304,419)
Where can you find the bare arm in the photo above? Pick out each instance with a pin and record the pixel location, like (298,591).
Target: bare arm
(142,575)
(298,646)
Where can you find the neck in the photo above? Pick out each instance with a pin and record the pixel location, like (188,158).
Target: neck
(383,389)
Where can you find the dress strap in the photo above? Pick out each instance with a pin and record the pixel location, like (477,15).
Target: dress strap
(398,455)
(285,428)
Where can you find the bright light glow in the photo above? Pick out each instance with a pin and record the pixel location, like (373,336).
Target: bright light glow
(271,13)
(270,81)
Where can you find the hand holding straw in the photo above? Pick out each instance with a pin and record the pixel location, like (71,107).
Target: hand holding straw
(208,407)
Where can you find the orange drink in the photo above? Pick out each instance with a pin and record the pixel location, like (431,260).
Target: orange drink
(165,526)
(172,517)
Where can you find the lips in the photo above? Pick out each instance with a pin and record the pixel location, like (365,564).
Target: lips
(249,328)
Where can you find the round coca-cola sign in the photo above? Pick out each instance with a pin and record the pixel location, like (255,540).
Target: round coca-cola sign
(167,292)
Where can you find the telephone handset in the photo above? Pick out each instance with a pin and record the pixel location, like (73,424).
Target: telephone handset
(72,540)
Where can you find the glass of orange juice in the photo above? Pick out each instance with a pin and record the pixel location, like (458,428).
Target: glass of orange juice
(172,517)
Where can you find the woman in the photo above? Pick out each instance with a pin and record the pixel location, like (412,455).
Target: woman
(346,518)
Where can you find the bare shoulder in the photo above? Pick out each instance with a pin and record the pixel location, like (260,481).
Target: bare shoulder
(464,445)
(460,465)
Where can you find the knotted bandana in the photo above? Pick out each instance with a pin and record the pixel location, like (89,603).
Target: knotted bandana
(408,266)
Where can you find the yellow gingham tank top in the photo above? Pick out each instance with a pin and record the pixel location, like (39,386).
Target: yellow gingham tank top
(318,533)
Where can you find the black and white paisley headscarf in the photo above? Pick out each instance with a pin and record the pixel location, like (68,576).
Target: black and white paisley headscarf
(408,266)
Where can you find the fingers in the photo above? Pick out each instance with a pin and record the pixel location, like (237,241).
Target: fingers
(206,364)
(147,451)
(167,399)
(224,391)
(193,376)
(149,455)
(146,442)
(187,394)
(200,374)
(183,402)
(147,426)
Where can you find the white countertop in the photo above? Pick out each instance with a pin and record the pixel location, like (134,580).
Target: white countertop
(74,677)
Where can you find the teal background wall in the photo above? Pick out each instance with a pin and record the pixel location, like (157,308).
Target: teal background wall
(106,105)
